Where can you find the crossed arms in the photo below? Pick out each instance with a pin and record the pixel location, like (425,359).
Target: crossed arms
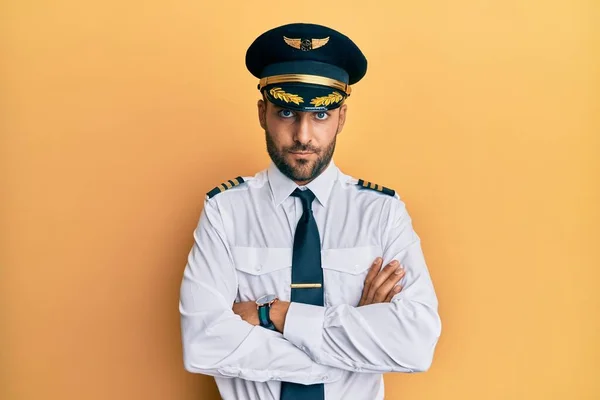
(388,331)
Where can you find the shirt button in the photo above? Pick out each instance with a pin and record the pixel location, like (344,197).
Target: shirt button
(325,378)
(258,267)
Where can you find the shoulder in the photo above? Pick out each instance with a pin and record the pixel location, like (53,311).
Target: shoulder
(363,184)
(365,187)
(369,194)
(229,184)
(238,185)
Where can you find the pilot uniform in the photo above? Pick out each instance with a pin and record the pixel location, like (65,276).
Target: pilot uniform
(312,245)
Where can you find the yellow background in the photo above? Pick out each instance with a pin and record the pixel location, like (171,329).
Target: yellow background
(117,116)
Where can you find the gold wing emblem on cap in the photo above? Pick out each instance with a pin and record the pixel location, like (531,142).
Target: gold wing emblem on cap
(306,44)
(316,43)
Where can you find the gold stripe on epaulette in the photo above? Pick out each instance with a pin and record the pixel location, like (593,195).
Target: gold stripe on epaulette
(225,186)
(375,186)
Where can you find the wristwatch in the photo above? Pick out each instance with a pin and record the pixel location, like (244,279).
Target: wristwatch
(263,305)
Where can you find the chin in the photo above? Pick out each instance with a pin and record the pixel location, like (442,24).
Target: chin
(302,164)
(302,169)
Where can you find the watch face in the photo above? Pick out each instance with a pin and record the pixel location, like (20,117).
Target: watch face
(266,299)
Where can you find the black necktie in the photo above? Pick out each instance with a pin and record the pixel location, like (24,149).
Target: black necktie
(307,283)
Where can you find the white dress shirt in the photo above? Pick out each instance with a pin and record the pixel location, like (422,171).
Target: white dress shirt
(243,250)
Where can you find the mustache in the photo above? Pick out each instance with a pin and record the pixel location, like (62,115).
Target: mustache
(302,148)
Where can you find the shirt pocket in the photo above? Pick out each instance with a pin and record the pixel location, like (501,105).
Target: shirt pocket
(344,273)
(263,270)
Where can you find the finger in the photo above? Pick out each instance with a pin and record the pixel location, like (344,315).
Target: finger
(381,277)
(392,293)
(373,271)
(384,289)
(369,279)
(388,285)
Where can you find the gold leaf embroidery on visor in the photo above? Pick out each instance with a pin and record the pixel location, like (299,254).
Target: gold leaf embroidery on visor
(334,97)
(280,94)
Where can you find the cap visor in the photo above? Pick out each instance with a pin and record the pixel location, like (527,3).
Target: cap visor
(304,97)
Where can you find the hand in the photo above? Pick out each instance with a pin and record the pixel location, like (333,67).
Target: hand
(247,310)
(380,284)
(278,313)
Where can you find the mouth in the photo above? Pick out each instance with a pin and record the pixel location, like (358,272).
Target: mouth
(302,152)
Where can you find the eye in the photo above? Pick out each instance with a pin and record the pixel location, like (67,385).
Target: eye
(286,113)
(321,115)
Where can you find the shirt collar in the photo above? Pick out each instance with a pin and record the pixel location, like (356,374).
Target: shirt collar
(282,186)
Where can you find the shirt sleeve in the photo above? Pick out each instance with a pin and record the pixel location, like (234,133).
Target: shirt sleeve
(388,337)
(218,342)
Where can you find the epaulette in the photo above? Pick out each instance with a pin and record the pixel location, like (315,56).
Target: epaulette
(224,186)
(374,186)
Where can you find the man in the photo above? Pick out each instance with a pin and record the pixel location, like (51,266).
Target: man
(304,283)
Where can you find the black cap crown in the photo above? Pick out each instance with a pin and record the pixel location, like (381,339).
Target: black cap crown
(305,67)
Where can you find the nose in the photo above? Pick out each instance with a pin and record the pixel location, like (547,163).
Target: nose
(303,132)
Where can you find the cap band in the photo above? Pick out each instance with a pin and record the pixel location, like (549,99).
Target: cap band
(310,67)
(301,78)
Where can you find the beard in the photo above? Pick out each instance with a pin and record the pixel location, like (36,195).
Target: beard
(304,170)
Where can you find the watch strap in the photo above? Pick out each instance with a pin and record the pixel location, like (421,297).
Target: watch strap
(263,317)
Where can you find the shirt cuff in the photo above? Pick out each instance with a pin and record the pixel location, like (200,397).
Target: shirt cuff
(304,327)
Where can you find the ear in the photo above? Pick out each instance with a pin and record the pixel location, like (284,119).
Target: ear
(262,113)
(342,118)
